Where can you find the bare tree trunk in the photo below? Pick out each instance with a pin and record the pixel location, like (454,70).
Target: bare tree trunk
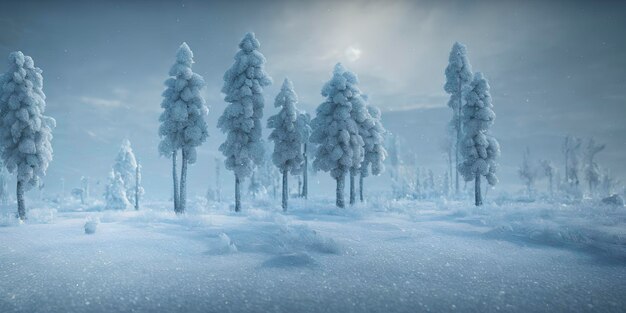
(352,189)
(182,199)
(137,187)
(175,177)
(305,175)
(458,142)
(21,209)
(341,182)
(285,190)
(237,195)
(361,187)
(218,188)
(478,197)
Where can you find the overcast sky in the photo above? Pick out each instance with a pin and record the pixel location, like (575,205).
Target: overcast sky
(554,68)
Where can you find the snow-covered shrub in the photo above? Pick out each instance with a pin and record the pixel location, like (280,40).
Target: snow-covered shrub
(25,132)
(91,224)
(241,120)
(115,193)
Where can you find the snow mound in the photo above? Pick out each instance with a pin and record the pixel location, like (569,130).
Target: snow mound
(614,200)
(90,225)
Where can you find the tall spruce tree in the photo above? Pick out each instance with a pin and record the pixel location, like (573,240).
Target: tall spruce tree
(241,120)
(458,76)
(336,133)
(479,149)
(182,122)
(25,132)
(375,153)
(287,138)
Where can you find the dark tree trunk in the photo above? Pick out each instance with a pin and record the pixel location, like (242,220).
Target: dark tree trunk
(352,190)
(341,182)
(182,199)
(361,187)
(237,194)
(21,208)
(175,177)
(137,187)
(478,197)
(458,143)
(285,190)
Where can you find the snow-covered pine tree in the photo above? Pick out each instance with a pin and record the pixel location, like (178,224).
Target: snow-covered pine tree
(115,193)
(373,134)
(182,121)
(592,170)
(25,132)
(84,181)
(458,77)
(241,120)
(571,150)
(287,138)
(336,133)
(528,172)
(479,149)
(125,165)
(549,171)
(364,121)
(303,123)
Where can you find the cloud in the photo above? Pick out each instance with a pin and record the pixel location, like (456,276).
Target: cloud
(353,53)
(100,102)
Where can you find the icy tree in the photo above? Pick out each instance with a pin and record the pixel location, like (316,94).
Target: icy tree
(528,172)
(431,181)
(304,128)
(592,170)
(182,121)
(479,149)
(608,183)
(115,193)
(340,147)
(458,77)
(571,150)
(446,184)
(84,181)
(549,171)
(241,120)
(218,187)
(255,188)
(364,122)
(287,138)
(25,132)
(373,134)
(125,165)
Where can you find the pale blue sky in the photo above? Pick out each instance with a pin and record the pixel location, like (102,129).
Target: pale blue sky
(554,67)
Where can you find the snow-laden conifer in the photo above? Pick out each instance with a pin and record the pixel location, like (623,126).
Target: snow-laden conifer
(287,155)
(115,193)
(528,172)
(241,120)
(458,76)
(479,149)
(182,121)
(303,123)
(25,132)
(375,153)
(336,133)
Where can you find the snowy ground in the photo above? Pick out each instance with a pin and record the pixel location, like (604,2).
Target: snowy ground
(399,256)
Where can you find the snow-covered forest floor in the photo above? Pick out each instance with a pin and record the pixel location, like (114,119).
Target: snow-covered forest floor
(384,256)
